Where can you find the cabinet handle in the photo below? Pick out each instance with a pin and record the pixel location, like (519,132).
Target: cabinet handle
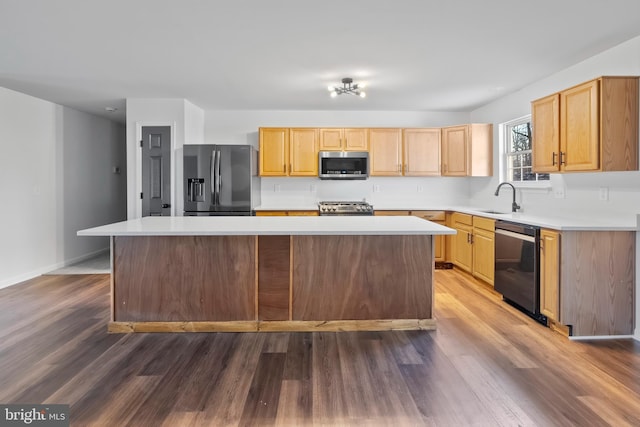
(284,168)
(471,238)
(553,159)
(289,167)
(563,158)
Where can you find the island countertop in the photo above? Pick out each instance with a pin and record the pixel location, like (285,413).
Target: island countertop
(274,226)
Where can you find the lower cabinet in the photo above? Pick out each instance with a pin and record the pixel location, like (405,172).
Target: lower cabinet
(474,245)
(435,216)
(550,274)
(587,281)
(287,213)
(483,242)
(462,249)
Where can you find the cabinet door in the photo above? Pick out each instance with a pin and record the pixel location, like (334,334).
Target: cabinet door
(274,151)
(454,150)
(356,140)
(545,117)
(303,213)
(483,243)
(304,152)
(391,213)
(462,249)
(331,139)
(421,152)
(550,274)
(271,213)
(579,137)
(385,152)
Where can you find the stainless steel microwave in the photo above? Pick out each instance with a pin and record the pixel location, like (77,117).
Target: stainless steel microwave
(343,165)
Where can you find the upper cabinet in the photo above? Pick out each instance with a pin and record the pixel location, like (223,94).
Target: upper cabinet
(385,152)
(589,127)
(274,151)
(336,139)
(288,152)
(467,150)
(421,152)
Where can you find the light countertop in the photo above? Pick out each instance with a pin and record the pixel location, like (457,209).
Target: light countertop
(248,225)
(584,221)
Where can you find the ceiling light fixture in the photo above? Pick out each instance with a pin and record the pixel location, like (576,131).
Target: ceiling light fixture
(347,87)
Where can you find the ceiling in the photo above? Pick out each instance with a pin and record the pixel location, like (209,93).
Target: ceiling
(413,55)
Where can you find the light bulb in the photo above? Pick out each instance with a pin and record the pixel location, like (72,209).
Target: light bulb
(363,95)
(334,94)
(330,88)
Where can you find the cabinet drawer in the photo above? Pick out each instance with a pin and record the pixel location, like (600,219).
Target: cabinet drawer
(460,218)
(429,215)
(303,213)
(391,213)
(484,223)
(271,213)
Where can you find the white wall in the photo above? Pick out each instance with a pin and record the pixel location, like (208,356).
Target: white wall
(241,127)
(187,127)
(55,178)
(581,189)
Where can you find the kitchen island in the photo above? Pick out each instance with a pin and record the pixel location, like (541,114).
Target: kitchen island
(241,274)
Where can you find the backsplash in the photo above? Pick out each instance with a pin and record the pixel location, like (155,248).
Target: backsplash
(381,192)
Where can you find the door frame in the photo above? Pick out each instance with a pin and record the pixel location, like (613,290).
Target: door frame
(172,171)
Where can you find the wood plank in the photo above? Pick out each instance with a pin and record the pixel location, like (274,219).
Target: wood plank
(184,278)
(273,277)
(362,277)
(486,364)
(275,326)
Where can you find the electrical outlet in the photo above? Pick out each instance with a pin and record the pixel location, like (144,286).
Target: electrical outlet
(603,193)
(558,193)
(376,188)
(276,188)
(312,188)
(420,188)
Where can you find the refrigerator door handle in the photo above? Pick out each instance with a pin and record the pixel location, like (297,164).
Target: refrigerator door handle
(212,175)
(219,176)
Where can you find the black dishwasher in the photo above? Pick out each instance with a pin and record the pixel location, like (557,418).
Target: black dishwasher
(517,268)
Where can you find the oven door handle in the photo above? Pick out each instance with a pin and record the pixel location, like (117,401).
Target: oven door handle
(516,235)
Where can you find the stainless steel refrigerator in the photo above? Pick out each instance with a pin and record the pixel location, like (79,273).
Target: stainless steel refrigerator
(220,180)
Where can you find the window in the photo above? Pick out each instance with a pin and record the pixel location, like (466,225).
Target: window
(517,157)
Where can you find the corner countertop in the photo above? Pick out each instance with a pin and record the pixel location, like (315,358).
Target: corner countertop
(248,225)
(583,221)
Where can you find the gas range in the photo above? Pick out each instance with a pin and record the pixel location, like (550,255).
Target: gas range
(345,208)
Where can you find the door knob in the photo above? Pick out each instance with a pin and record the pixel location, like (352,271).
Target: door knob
(166,205)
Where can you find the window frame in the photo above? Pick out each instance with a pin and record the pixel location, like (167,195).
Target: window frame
(504,154)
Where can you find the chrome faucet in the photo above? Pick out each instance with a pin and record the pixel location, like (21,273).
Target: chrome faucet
(514,205)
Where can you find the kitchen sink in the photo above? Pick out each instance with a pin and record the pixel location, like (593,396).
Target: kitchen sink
(489,211)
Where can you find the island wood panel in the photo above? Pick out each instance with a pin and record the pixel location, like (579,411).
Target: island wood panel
(362,277)
(273,277)
(597,280)
(184,278)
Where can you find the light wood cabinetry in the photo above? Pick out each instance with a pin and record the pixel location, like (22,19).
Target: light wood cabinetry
(435,216)
(462,250)
(439,218)
(274,151)
(287,213)
(589,127)
(385,152)
(336,139)
(288,151)
(303,152)
(473,247)
(483,242)
(587,280)
(421,152)
(467,150)
(550,274)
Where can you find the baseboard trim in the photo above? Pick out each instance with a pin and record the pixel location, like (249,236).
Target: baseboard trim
(602,337)
(44,270)
(274,326)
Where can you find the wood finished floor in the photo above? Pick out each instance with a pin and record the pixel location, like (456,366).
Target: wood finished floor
(486,365)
